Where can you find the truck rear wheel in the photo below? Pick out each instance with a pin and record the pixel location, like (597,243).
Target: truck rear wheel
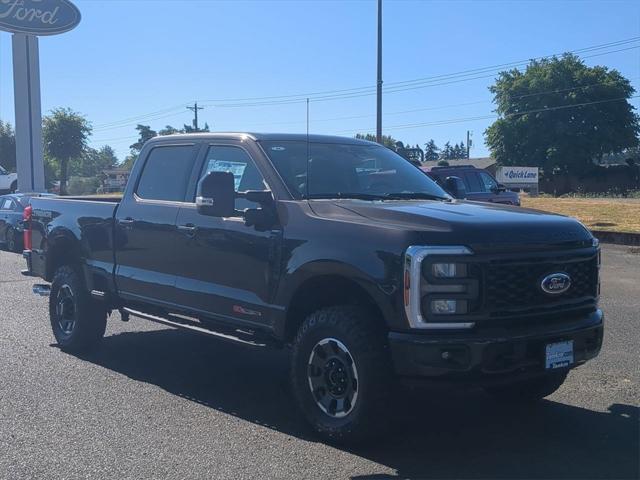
(529,390)
(11,240)
(78,322)
(341,374)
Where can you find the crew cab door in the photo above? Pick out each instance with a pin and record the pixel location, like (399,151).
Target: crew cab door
(225,267)
(146,235)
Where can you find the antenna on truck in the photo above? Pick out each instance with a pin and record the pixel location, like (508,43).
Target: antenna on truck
(308,150)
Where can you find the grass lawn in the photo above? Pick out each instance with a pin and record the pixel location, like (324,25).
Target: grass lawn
(611,214)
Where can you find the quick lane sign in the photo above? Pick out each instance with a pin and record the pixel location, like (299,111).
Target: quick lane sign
(517,175)
(38,17)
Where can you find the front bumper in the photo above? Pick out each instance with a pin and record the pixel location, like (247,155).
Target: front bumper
(492,356)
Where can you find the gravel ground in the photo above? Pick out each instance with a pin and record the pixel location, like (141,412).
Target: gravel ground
(158,403)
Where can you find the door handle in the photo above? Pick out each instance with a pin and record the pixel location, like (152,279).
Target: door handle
(126,222)
(189,229)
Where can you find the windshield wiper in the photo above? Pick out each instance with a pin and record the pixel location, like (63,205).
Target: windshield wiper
(413,195)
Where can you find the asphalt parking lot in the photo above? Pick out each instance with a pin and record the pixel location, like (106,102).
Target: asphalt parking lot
(158,403)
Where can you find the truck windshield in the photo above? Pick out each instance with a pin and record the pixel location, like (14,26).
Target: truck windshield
(332,170)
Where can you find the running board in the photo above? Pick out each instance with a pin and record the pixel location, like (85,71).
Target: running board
(193,326)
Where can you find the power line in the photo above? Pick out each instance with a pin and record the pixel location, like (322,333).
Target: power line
(451,120)
(389,85)
(392,87)
(486,117)
(439,107)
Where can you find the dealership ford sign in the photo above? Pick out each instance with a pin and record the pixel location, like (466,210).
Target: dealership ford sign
(38,17)
(27,20)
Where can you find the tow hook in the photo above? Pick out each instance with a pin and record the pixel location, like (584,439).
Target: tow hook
(42,289)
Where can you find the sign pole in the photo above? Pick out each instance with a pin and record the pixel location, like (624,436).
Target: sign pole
(26,81)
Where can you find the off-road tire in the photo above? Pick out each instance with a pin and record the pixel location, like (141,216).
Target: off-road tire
(365,338)
(89,316)
(528,391)
(12,243)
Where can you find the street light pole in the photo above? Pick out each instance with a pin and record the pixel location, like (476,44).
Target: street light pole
(379,84)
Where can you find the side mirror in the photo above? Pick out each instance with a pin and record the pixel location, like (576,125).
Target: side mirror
(499,188)
(263,197)
(216,195)
(455,186)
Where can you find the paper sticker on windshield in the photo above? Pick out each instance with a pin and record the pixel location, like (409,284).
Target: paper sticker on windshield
(237,168)
(278,149)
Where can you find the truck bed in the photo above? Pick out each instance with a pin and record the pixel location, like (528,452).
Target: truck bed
(87,222)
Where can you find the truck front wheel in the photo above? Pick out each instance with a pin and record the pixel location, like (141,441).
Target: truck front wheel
(341,373)
(529,390)
(78,321)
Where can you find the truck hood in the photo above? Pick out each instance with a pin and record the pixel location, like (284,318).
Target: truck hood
(461,222)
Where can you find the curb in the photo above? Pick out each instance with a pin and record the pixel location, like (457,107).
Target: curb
(618,238)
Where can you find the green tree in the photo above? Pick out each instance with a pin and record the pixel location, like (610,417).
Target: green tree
(145,133)
(65,134)
(447,152)
(561,115)
(431,151)
(93,162)
(387,140)
(7,146)
(169,130)
(192,129)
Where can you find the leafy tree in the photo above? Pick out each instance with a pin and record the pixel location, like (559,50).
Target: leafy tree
(192,129)
(387,140)
(7,146)
(447,152)
(169,130)
(443,163)
(431,151)
(65,135)
(561,115)
(93,162)
(144,135)
(460,151)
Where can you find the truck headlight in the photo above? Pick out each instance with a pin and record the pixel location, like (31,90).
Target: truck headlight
(449,270)
(436,290)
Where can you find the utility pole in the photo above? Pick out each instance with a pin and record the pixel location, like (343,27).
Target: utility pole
(379,83)
(195,109)
(468,143)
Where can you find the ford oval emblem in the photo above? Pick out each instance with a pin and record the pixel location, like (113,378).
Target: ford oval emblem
(38,17)
(555,283)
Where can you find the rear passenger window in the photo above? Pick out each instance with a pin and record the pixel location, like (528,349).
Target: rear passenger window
(166,173)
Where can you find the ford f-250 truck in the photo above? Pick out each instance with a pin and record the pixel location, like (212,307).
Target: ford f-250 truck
(337,248)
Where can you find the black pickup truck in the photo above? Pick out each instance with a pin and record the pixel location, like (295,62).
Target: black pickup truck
(336,248)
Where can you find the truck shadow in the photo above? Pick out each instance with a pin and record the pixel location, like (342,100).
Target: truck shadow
(448,434)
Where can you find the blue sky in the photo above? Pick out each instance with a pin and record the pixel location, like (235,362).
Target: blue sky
(142,61)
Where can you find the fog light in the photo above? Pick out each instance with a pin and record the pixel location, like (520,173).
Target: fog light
(448,307)
(443,307)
